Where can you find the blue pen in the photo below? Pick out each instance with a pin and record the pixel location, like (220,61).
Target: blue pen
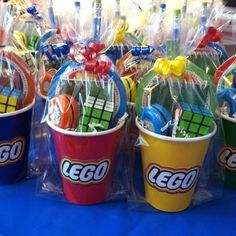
(97,20)
(77,17)
(176,25)
(51,15)
(175,48)
(173,45)
(117,13)
(56,22)
(184,8)
(204,19)
(161,23)
(162,14)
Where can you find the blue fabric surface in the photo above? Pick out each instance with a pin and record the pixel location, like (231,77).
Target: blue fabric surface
(23,213)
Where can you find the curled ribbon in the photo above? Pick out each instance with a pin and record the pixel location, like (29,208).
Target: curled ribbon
(91,51)
(120,35)
(141,50)
(34,12)
(90,55)
(163,66)
(98,67)
(213,35)
(54,51)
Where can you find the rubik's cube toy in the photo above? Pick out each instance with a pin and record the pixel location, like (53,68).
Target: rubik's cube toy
(28,58)
(32,42)
(9,99)
(97,112)
(193,120)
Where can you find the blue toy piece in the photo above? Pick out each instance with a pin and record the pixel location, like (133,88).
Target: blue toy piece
(34,12)
(142,50)
(65,47)
(45,50)
(229,96)
(56,51)
(157,118)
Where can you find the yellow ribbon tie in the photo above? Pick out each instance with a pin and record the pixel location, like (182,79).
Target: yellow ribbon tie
(120,35)
(163,66)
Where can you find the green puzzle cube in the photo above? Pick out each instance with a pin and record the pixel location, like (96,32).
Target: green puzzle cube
(193,120)
(97,112)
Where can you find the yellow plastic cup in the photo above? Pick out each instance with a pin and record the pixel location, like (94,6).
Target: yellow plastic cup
(171,168)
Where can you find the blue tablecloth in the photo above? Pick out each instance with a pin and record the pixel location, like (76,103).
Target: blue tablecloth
(24,213)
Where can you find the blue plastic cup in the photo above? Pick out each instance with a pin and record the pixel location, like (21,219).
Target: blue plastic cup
(14,143)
